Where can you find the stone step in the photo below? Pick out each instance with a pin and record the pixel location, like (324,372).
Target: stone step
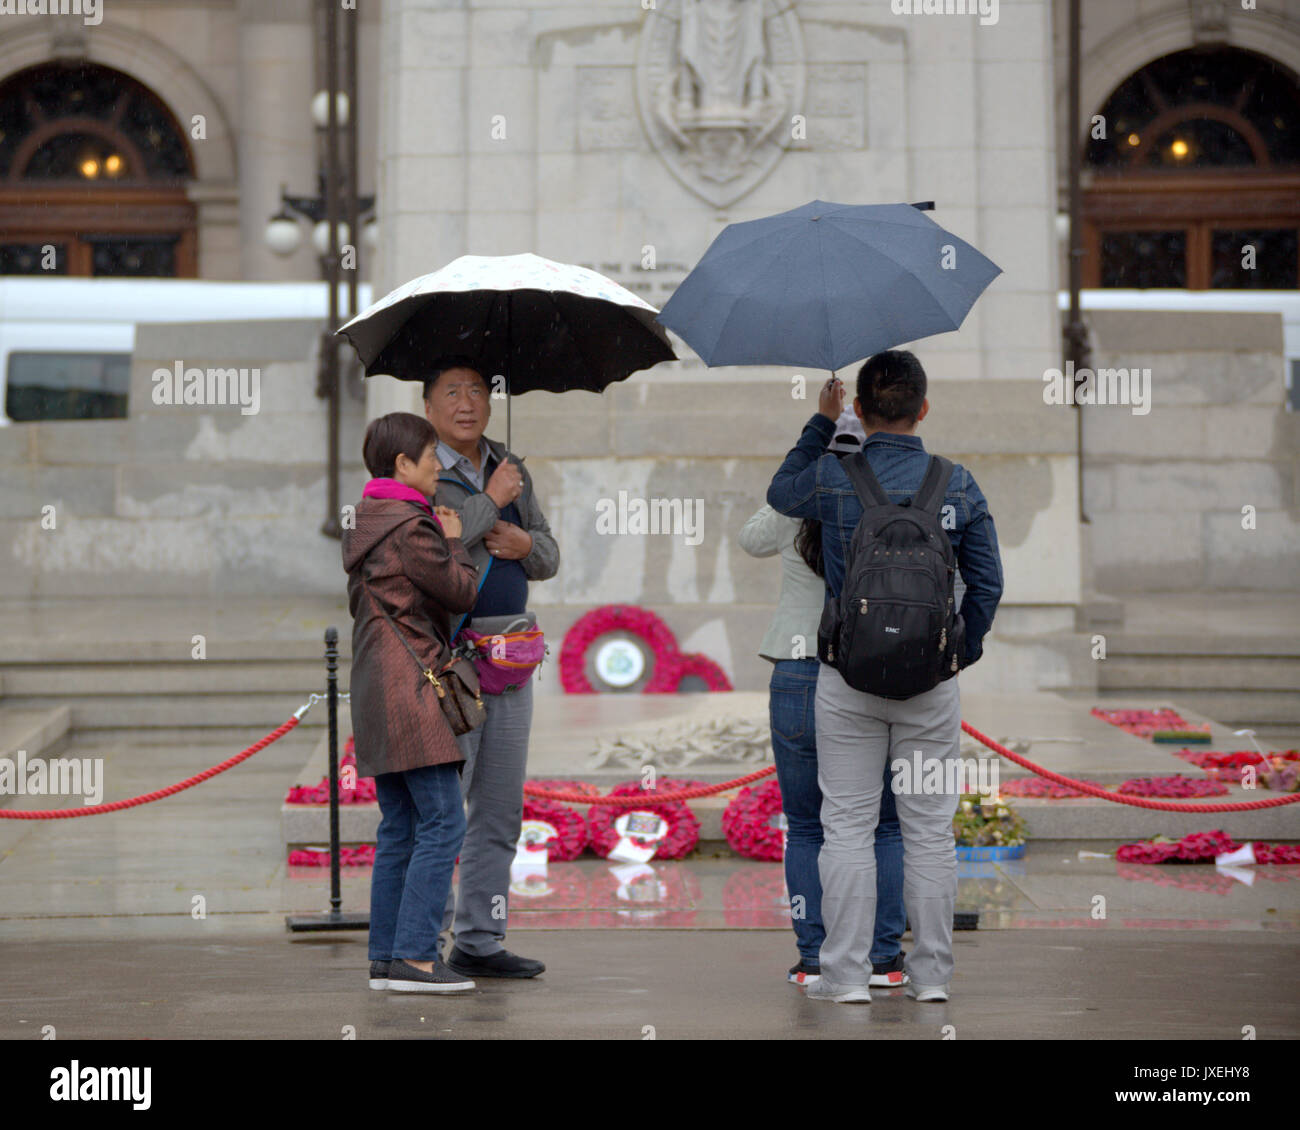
(1198,673)
(19,652)
(1246,708)
(304,825)
(1095,819)
(1230,709)
(1072,820)
(255,712)
(183,677)
(33,730)
(308,826)
(1098,614)
(1127,644)
(233,737)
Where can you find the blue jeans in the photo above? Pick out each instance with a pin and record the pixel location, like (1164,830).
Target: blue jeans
(422,824)
(793,689)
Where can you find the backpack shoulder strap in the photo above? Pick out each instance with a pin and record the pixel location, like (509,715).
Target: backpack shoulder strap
(864,480)
(934,486)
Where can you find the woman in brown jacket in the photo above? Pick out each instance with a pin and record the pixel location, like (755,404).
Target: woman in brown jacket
(406,559)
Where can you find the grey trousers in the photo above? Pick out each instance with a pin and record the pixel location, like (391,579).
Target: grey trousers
(856,733)
(493,786)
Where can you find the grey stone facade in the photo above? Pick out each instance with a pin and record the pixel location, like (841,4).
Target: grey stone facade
(547,126)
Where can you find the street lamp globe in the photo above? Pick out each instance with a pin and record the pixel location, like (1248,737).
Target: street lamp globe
(320,237)
(320,108)
(283,235)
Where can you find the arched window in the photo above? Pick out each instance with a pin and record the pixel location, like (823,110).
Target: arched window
(1196,181)
(93,169)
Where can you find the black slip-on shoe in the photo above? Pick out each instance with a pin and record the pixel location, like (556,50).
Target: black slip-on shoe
(379,974)
(503,963)
(406,978)
(805,973)
(889,974)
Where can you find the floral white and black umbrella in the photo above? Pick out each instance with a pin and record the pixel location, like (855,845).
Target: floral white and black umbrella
(538,323)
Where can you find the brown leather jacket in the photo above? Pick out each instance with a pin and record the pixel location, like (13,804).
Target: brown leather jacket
(399,555)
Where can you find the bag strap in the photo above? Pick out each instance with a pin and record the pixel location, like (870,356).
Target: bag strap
(428,671)
(928,498)
(461,622)
(446,646)
(934,486)
(864,480)
(461,481)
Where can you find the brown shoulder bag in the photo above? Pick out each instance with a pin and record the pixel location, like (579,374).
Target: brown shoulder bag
(456,681)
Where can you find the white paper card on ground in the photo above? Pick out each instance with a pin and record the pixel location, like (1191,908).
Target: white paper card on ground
(534,835)
(1243,855)
(646,828)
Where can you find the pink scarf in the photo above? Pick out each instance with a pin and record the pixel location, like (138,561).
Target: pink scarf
(391,488)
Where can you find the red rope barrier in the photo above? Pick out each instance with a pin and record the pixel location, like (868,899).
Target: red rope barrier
(1119,798)
(170,790)
(1083,787)
(650,796)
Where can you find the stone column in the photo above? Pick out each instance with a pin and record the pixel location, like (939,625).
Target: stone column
(423,145)
(277,78)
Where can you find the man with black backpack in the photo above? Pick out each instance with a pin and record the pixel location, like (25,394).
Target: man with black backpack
(897,524)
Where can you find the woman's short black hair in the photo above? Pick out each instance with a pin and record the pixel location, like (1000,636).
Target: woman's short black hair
(891,386)
(398,433)
(450,361)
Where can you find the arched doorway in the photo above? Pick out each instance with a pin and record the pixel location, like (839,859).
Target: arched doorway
(93,172)
(1196,183)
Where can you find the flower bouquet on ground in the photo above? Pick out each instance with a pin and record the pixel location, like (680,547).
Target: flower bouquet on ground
(1202,847)
(1280,773)
(1040,788)
(1231,766)
(1143,723)
(1175,786)
(987,822)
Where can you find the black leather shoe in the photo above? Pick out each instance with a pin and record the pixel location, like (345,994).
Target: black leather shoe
(503,963)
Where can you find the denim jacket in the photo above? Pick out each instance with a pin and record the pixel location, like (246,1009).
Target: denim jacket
(812,484)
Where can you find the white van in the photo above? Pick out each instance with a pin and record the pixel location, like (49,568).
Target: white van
(1284,302)
(65,344)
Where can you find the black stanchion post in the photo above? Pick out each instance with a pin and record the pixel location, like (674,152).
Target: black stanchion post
(334,918)
(332,699)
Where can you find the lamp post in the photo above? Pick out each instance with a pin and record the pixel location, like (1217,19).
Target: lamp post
(336,213)
(1075,332)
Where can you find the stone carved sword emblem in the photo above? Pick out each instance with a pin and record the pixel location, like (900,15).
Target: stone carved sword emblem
(718,83)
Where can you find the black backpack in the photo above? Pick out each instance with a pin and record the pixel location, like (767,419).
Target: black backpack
(894,630)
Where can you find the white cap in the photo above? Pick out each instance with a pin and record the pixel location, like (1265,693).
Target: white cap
(850,435)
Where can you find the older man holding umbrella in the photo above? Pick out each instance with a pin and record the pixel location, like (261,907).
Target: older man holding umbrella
(479,327)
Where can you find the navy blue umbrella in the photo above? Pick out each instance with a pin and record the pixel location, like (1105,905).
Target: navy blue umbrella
(825,285)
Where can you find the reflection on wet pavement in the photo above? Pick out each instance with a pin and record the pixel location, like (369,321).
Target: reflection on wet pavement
(1046,889)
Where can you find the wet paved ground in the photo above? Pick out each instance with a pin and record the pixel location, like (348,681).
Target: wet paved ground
(106,907)
(1025,984)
